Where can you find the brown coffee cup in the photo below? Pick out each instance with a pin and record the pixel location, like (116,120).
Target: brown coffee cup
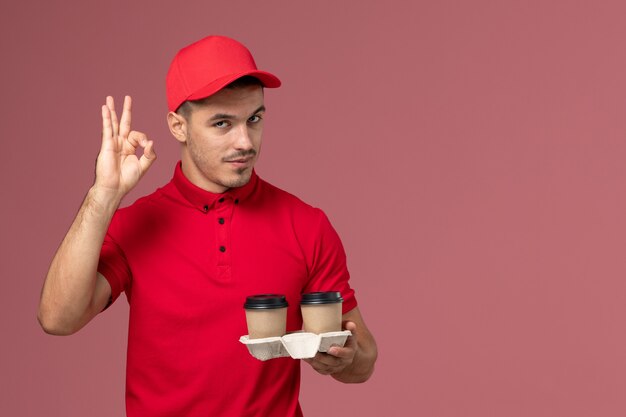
(321,311)
(266,315)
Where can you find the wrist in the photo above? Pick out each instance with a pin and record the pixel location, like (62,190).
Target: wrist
(102,199)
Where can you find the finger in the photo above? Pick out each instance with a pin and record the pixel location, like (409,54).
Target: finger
(114,122)
(320,367)
(346,352)
(134,140)
(327,360)
(126,117)
(327,365)
(148,157)
(325,371)
(138,139)
(107,129)
(350,325)
(351,341)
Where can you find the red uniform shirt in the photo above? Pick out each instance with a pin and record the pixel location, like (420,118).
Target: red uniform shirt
(186,259)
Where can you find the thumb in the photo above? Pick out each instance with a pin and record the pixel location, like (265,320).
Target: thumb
(350,341)
(148,156)
(350,325)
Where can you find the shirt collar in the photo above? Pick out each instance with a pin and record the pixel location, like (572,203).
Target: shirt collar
(204,200)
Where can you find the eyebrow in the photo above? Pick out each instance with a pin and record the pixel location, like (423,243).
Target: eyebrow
(230,116)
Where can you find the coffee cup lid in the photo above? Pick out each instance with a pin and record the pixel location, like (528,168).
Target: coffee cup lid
(327,297)
(265,301)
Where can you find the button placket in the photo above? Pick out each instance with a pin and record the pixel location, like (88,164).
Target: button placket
(223,213)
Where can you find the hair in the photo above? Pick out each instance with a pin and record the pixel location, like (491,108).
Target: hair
(186,108)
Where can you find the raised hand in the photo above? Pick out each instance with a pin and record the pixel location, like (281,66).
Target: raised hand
(74,291)
(118,169)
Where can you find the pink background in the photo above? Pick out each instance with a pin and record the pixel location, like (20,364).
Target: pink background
(470,154)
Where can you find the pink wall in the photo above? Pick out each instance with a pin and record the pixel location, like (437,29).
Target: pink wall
(471,155)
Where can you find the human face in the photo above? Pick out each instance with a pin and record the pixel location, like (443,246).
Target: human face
(223,138)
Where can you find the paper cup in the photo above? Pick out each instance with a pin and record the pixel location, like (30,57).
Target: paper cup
(321,312)
(266,315)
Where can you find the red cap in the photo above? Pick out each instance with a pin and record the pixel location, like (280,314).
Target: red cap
(205,67)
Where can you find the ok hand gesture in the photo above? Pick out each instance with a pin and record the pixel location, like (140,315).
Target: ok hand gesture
(118,169)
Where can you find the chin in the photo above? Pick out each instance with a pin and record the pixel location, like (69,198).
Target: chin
(238,180)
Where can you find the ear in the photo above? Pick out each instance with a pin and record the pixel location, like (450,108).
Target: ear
(178,126)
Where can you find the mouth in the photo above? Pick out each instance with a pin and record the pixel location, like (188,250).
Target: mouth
(240,162)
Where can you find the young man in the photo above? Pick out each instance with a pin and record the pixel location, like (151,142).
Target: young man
(187,255)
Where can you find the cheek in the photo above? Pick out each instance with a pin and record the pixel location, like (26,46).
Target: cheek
(204,147)
(256,137)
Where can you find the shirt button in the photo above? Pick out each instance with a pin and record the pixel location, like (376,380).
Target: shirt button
(206,208)
(237,201)
(221,200)
(221,220)
(222,248)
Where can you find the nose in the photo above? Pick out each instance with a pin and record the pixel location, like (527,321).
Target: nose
(243,141)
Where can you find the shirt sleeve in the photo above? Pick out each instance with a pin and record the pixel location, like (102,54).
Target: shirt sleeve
(327,262)
(113,264)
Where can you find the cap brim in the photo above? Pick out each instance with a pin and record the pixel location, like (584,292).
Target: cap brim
(268,80)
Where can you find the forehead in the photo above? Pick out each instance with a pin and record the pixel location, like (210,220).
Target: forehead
(240,101)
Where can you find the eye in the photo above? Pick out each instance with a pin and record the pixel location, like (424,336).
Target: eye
(221,124)
(254,119)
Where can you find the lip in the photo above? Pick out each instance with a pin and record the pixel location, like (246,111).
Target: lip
(240,162)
